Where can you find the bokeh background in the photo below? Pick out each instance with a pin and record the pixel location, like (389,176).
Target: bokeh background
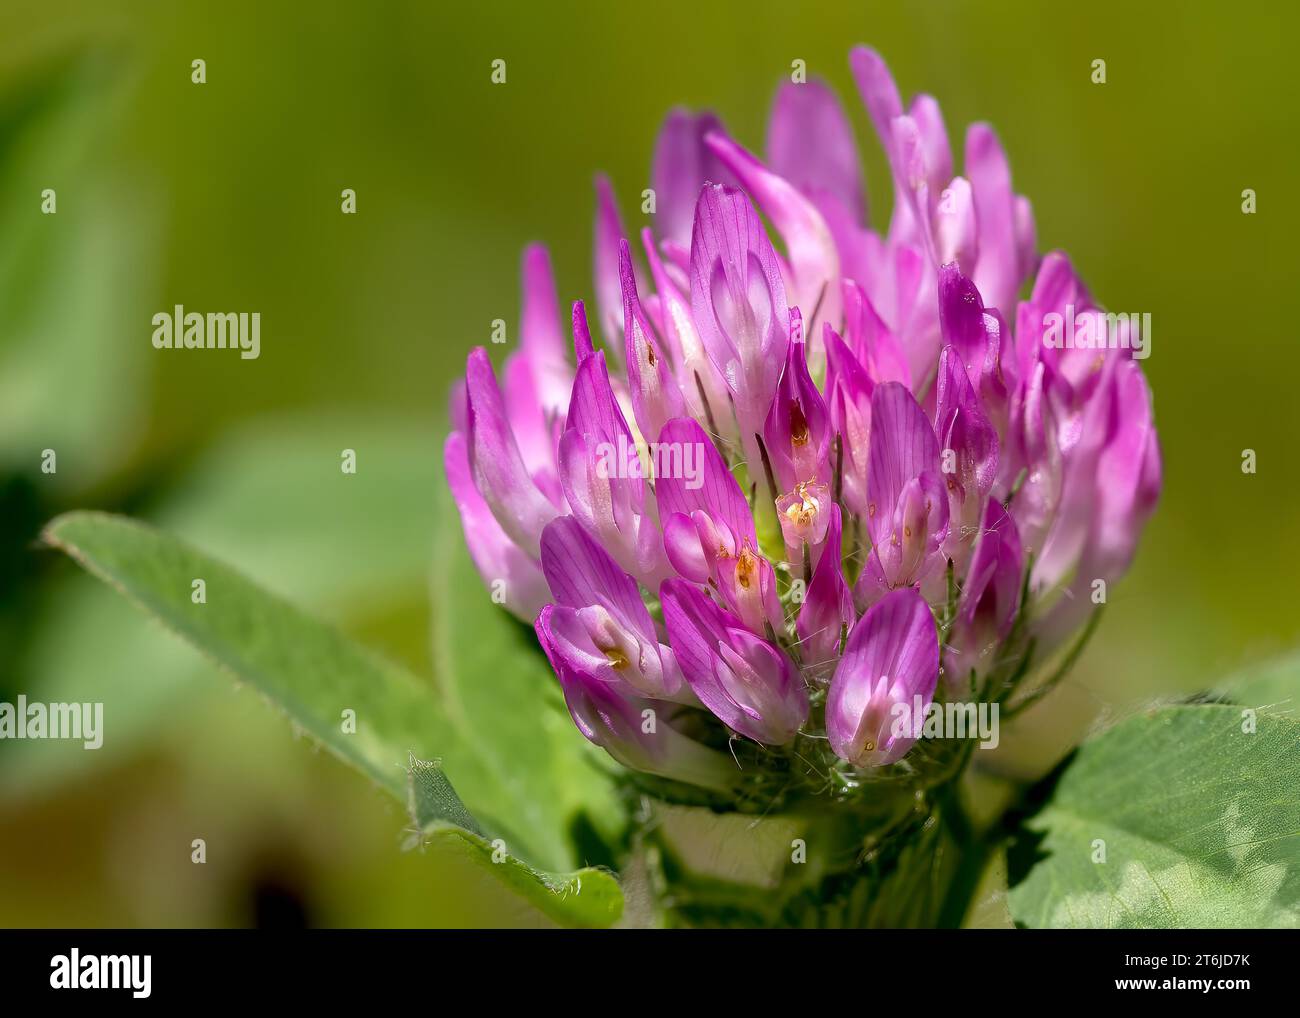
(225,196)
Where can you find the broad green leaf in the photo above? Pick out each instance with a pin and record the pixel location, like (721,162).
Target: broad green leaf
(316,675)
(268,498)
(308,669)
(500,693)
(589,897)
(1197,810)
(1273,686)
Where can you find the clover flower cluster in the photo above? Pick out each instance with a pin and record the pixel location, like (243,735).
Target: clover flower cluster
(799,488)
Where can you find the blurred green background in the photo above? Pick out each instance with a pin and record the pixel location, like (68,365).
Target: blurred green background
(225,196)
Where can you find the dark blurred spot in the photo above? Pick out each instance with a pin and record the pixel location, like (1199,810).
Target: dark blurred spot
(1025,846)
(278,902)
(591,847)
(21,516)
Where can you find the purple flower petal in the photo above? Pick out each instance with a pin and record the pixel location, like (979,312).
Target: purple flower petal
(969,454)
(1128,477)
(990,598)
(703,389)
(749,684)
(607,617)
(891,660)
(998,273)
(541,335)
(827,608)
(810,143)
(903,446)
(810,247)
(738,299)
(656,398)
(850,389)
(682,165)
(498,559)
(707,485)
(582,347)
(602,475)
(635,731)
(609,286)
(499,471)
(798,429)
(871,340)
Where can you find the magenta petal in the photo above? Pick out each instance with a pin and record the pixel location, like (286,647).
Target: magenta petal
(810,143)
(609,287)
(969,453)
(656,398)
(738,299)
(902,446)
(602,474)
(798,430)
(541,334)
(580,572)
(533,429)
(933,135)
(499,472)
(961,316)
(990,598)
(703,389)
(880,96)
(611,620)
(1026,238)
(748,683)
(956,237)
(998,271)
(809,245)
(1070,530)
(1056,286)
(889,669)
(872,341)
(850,389)
(747,583)
(684,547)
(582,346)
(876,85)
(498,559)
(682,165)
(707,485)
(1128,478)
(827,608)
(634,730)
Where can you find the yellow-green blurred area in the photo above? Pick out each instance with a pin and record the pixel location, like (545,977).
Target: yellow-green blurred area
(225,196)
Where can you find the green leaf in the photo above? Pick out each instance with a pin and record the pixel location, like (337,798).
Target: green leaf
(1198,817)
(315,674)
(268,498)
(499,691)
(1273,686)
(306,668)
(988,906)
(587,898)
